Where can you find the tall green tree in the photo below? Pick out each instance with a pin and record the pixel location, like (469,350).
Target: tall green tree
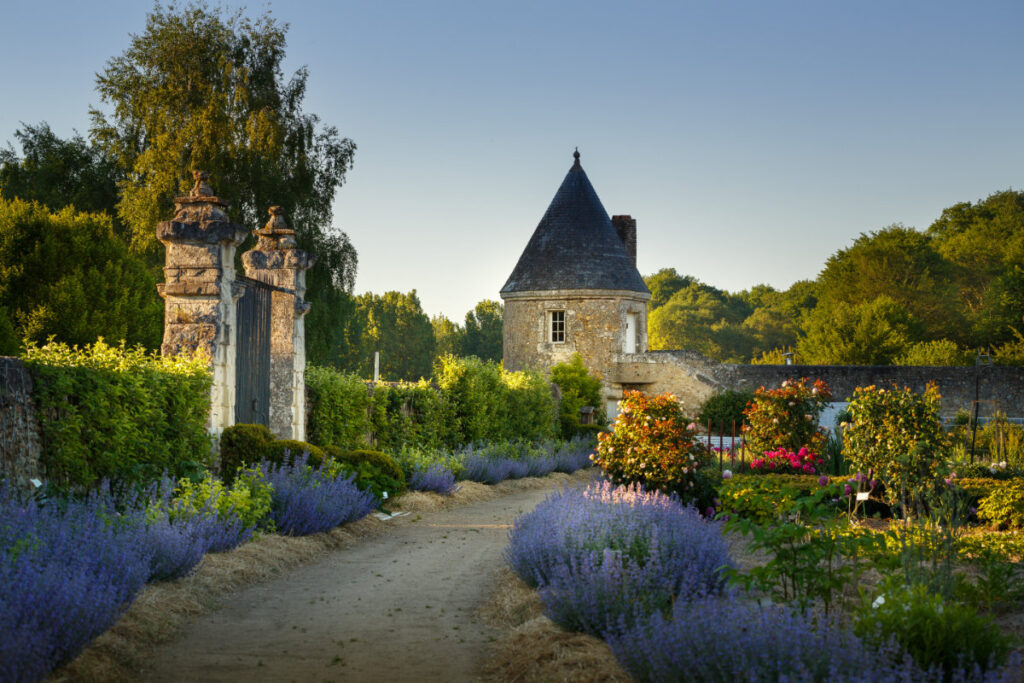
(449,337)
(395,325)
(484,331)
(869,333)
(65,274)
(663,285)
(204,88)
(58,173)
(704,319)
(902,264)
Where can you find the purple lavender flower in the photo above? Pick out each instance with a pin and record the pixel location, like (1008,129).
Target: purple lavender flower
(308,500)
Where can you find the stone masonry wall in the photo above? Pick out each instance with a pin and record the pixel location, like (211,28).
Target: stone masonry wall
(20,443)
(693,377)
(595,323)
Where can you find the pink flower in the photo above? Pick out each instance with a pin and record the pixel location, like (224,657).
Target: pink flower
(847,490)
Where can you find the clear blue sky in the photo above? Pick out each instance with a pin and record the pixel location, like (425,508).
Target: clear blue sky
(750,140)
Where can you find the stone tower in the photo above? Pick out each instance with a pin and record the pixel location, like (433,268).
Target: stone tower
(576,289)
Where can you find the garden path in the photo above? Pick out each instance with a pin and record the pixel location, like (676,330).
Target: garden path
(398,607)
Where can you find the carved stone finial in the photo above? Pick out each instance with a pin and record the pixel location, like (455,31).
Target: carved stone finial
(576,157)
(277,223)
(201,188)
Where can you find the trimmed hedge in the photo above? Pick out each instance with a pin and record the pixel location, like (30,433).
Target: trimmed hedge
(110,412)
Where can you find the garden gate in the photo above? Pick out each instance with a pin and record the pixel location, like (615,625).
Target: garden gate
(252,387)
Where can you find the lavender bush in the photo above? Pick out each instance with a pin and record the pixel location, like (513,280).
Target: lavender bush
(67,570)
(436,477)
(608,553)
(496,462)
(308,500)
(728,639)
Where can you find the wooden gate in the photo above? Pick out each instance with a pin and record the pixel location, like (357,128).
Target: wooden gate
(252,383)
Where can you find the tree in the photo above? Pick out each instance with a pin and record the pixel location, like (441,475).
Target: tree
(449,337)
(64,274)
(483,337)
(201,88)
(902,264)
(704,319)
(936,352)
(395,325)
(663,285)
(58,173)
(870,333)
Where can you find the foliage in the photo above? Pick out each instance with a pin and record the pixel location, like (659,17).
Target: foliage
(764,498)
(406,414)
(497,461)
(934,353)
(375,472)
(702,318)
(280,451)
(235,115)
(652,444)
(65,275)
(872,332)
(57,173)
(247,499)
(782,461)
(449,337)
(483,331)
(241,445)
(308,499)
(67,570)
(607,553)
(787,417)
(114,412)
(339,408)
(481,401)
(897,434)
(1003,507)
(935,632)
(723,408)
(579,388)
(436,477)
(812,555)
(395,325)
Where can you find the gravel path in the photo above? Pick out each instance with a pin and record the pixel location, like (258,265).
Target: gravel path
(398,607)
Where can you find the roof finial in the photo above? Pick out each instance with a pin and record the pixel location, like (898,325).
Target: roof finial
(576,156)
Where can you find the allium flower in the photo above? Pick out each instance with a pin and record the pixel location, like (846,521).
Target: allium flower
(847,490)
(823,480)
(726,474)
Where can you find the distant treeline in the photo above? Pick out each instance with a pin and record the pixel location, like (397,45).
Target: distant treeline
(895,296)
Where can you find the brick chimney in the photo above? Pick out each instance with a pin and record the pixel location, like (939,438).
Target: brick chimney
(625,226)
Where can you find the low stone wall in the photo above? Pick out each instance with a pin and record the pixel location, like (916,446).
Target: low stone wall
(693,377)
(20,444)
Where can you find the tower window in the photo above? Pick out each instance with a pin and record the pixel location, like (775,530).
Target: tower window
(558,327)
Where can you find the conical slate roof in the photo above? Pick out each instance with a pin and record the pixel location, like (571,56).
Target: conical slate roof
(575,245)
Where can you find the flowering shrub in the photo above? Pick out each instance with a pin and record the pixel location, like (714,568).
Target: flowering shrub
(307,500)
(654,445)
(436,477)
(783,461)
(764,498)
(787,417)
(495,462)
(67,570)
(608,553)
(732,639)
(897,433)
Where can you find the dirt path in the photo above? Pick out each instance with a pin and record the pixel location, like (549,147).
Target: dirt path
(395,607)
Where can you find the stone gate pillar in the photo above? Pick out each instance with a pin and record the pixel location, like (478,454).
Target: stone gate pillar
(200,290)
(276,261)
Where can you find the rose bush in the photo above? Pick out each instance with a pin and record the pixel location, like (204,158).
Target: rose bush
(787,417)
(783,461)
(654,445)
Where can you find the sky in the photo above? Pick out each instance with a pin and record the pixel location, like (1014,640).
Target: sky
(750,140)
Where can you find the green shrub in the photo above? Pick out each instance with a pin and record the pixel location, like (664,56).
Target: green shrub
(654,445)
(375,471)
(241,445)
(933,631)
(406,414)
(765,497)
(898,435)
(339,408)
(119,413)
(724,408)
(579,388)
(787,417)
(1003,507)
(248,498)
(275,451)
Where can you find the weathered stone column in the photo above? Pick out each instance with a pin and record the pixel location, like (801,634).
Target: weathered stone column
(276,261)
(200,290)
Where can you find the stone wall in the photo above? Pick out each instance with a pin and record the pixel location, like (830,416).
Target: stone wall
(595,323)
(20,443)
(693,377)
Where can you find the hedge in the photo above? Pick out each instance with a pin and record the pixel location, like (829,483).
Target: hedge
(119,413)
